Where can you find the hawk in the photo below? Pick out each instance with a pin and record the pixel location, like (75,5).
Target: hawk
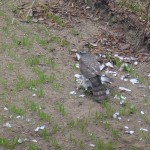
(90,69)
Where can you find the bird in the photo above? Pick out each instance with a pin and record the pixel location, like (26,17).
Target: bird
(90,69)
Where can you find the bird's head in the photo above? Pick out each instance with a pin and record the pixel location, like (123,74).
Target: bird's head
(80,54)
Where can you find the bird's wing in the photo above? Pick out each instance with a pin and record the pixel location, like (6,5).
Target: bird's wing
(89,66)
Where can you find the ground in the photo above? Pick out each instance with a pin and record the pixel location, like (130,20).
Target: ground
(37,75)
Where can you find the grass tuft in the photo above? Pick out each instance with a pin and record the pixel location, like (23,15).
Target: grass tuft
(8,144)
(59,41)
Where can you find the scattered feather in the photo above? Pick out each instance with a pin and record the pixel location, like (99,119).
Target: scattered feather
(126,127)
(82,95)
(103,56)
(77,66)
(135,63)
(124,89)
(122,102)
(88,7)
(111,72)
(77,76)
(134,81)
(42,127)
(92,145)
(107,92)
(124,78)
(28,120)
(19,117)
(25,139)
(142,129)
(109,64)
(5,108)
(116,115)
(127,59)
(39,128)
(123,65)
(35,141)
(148,75)
(142,112)
(34,95)
(105,79)
(114,75)
(119,118)
(7,125)
(119,97)
(20,141)
(119,57)
(133,58)
(129,132)
(102,66)
(34,89)
(73,93)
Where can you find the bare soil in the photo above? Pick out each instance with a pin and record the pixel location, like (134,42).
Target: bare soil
(88,117)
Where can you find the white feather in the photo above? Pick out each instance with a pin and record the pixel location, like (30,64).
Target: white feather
(105,79)
(78,56)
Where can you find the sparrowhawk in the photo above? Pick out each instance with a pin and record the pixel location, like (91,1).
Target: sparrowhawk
(90,69)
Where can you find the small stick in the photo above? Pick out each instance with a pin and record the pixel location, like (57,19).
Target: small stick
(30,9)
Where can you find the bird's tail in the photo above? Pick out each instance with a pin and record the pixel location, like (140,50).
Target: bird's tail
(99,91)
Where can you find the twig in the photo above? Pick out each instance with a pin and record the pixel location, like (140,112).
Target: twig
(30,9)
